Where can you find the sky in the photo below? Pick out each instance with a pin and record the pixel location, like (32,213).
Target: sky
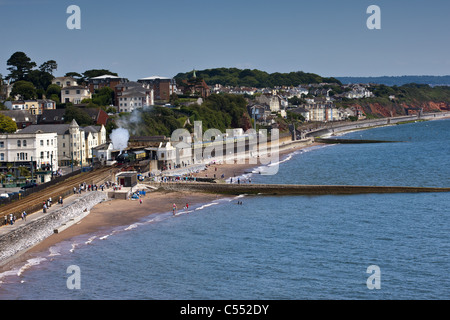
(139,39)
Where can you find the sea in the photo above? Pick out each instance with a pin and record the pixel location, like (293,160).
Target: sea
(338,247)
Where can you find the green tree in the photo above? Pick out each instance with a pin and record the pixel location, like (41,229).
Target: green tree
(80,116)
(7,125)
(40,79)
(49,66)
(53,89)
(25,89)
(20,65)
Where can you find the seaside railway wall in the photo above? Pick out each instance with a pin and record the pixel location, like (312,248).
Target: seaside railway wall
(21,239)
(33,202)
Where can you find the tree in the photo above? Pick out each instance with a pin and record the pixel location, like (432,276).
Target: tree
(76,76)
(7,125)
(40,79)
(25,89)
(53,89)
(20,65)
(49,66)
(80,116)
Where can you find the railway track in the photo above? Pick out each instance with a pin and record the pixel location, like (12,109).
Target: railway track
(34,201)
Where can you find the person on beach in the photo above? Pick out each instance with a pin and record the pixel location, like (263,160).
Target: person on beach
(174,208)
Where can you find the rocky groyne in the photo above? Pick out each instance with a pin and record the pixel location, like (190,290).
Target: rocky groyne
(31,233)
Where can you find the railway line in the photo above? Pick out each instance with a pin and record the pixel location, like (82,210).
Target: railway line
(33,202)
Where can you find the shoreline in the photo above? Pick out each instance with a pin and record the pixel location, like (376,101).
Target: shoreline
(126,212)
(101,217)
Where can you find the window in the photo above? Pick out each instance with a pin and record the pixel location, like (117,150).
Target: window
(2,156)
(78,91)
(48,142)
(67,91)
(42,154)
(2,144)
(64,144)
(42,143)
(18,143)
(24,143)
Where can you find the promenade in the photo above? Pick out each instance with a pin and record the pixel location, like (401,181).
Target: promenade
(36,215)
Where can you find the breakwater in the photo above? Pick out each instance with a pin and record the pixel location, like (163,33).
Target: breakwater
(350,141)
(31,233)
(282,189)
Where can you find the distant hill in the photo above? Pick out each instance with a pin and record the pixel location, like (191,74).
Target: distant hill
(399,80)
(254,78)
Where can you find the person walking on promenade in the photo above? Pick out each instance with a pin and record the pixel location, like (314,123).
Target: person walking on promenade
(24,216)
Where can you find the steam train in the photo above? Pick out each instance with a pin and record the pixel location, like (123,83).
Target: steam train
(131,157)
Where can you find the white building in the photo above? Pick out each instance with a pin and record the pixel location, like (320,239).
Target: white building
(134,99)
(75,94)
(74,142)
(21,149)
(64,82)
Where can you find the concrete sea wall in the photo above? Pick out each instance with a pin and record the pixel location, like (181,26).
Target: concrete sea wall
(282,189)
(331,128)
(37,230)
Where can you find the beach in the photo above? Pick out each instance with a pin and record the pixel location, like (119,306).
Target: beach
(116,212)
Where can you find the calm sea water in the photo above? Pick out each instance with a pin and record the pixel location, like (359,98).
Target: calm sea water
(290,247)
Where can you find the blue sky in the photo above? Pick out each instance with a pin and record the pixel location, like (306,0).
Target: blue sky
(145,38)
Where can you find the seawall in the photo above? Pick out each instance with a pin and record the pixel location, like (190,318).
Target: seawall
(286,189)
(33,232)
(332,128)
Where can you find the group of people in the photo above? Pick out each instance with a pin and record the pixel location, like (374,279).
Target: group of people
(11,219)
(90,187)
(175,209)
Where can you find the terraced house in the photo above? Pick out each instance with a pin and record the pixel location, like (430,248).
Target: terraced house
(75,143)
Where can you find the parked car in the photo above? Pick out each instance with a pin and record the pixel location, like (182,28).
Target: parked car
(4,195)
(28,186)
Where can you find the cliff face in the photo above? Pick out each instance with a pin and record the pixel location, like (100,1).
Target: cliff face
(400,109)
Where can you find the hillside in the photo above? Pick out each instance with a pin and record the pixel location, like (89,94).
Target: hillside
(254,78)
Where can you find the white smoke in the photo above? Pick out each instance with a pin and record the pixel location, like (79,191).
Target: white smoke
(119,138)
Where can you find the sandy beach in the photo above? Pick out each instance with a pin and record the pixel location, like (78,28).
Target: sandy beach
(116,213)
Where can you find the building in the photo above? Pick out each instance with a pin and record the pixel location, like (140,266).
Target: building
(195,86)
(134,99)
(272,101)
(142,94)
(23,149)
(162,87)
(64,82)
(75,94)
(22,118)
(107,80)
(36,107)
(75,143)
